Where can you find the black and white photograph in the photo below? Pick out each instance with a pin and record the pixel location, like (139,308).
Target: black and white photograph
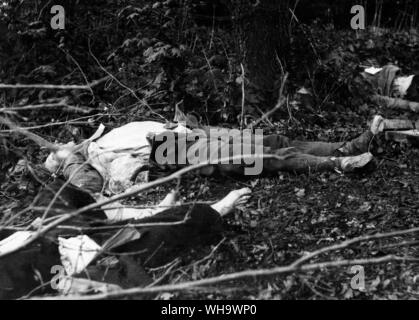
(209,155)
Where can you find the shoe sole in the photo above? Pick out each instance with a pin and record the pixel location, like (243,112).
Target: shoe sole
(362,162)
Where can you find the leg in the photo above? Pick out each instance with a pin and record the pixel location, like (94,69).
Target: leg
(231,201)
(317,148)
(70,198)
(117,212)
(181,228)
(354,147)
(190,227)
(291,160)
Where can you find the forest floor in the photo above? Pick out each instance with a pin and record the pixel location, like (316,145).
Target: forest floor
(290,215)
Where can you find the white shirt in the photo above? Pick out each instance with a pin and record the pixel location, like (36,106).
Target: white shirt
(123,151)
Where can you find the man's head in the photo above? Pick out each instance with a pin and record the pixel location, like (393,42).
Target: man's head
(56,158)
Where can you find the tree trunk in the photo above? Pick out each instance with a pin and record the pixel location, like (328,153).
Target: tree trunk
(262,29)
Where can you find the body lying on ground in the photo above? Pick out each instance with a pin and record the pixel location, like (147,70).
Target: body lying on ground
(114,233)
(127,154)
(388,88)
(388,81)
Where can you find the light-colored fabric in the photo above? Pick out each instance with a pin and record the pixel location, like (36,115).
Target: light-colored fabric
(118,157)
(76,253)
(115,211)
(121,213)
(382,81)
(122,152)
(14,241)
(402,84)
(373,70)
(387,82)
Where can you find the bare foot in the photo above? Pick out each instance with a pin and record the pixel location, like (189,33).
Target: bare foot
(232,200)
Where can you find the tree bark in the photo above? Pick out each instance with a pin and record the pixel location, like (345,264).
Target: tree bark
(262,28)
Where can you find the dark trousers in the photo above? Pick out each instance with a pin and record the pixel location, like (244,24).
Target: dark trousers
(291,155)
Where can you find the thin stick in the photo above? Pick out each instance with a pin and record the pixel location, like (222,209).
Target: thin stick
(279,104)
(243,97)
(395,103)
(54,86)
(48,106)
(347,243)
(76,121)
(110,75)
(34,137)
(236,276)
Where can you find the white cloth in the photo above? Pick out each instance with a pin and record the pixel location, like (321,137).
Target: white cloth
(14,241)
(402,84)
(124,151)
(76,253)
(373,70)
(119,154)
(117,212)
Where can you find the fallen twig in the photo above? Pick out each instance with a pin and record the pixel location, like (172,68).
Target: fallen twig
(54,86)
(110,75)
(63,105)
(243,97)
(279,104)
(349,242)
(37,139)
(234,276)
(67,122)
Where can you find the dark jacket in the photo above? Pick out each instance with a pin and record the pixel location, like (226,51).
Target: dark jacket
(28,268)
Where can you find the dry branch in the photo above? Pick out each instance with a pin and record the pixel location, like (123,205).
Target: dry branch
(243,97)
(236,276)
(296,266)
(400,124)
(110,75)
(62,105)
(394,103)
(281,101)
(34,137)
(349,242)
(54,86)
